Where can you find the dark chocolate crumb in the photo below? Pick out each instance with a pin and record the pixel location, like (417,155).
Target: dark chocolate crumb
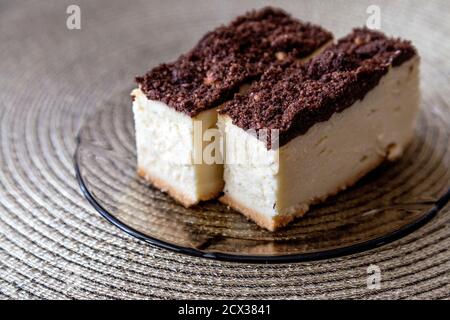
(229,57)
(293,97)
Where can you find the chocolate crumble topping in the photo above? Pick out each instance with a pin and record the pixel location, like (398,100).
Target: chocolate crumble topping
(292,97)
(230,56)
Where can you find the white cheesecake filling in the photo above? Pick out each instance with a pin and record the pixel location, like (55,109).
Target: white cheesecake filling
(330,156)
(165,150)
(250,170)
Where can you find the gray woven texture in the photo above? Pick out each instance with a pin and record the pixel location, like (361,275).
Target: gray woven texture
(54,245)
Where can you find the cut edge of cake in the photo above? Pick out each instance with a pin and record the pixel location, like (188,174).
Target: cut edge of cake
(380,120)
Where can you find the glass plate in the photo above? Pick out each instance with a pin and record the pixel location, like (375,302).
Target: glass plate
(389,203)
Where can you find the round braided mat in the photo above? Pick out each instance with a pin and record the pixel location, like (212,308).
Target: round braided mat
(52,242)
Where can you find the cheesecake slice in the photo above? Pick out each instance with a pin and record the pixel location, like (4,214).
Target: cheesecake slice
(175,104)
(305,132)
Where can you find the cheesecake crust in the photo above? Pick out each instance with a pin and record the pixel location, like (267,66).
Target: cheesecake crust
(176,194)
(292,97)
(269,223)
(229,57)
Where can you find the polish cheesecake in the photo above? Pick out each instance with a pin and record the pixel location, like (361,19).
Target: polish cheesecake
(175,104)
(303,132)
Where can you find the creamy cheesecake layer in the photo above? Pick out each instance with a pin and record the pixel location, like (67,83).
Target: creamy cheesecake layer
(334,119)
(165,149)
(331,156)
(173,98)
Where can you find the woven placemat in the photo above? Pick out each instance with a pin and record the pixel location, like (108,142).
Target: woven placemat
(52,242)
